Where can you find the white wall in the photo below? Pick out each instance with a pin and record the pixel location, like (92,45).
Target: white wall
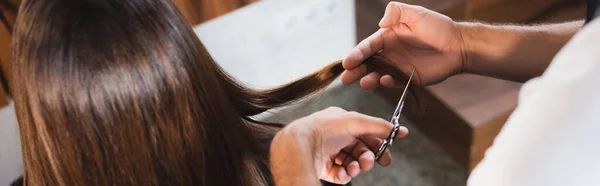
(11,164)
(270,43)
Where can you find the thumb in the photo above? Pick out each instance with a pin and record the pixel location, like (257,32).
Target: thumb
(396,12)
(363,125)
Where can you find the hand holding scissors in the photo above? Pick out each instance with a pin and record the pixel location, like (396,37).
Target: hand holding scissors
(395,121)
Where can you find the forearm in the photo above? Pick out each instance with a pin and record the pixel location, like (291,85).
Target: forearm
(291,159)
(516,53)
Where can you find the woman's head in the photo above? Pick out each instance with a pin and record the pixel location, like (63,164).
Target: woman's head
(121,92)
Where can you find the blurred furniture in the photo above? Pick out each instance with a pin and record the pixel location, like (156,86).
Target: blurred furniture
(514,11)
(464,113)
(8,12)
(198,11)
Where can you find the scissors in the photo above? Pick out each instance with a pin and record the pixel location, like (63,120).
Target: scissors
(395,122)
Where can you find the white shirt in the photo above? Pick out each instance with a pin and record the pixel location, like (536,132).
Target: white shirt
(553,137)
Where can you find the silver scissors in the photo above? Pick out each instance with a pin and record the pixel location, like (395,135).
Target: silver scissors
(395,122)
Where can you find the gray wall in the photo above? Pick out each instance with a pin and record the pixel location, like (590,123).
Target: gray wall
(11,164)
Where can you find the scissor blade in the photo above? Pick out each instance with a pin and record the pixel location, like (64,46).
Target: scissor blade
(406,88)
(403,97)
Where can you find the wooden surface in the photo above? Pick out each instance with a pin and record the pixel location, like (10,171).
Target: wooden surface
(565,11)
(9,13)
(198,11)
(4,62)
(514,11)
(477,99)
(3,98)
(484,136)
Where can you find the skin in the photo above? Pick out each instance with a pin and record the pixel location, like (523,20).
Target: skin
(332,145)
(336,145)
(437,47)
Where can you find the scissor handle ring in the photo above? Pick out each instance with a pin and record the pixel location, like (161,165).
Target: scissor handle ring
(387,142)
(392,136)
(381,149)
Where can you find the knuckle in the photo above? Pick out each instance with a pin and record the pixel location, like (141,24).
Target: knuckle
(372,46)
(354,116)
(353,113)
(333,110)
(381,120)
(394,3)
(418,8)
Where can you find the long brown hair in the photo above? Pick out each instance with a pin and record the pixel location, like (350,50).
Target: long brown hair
(114,92)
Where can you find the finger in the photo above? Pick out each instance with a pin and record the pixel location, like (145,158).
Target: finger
(352,166)
(402,132)
(348,160)
(373,144)
(353,75)
(391,16)
(340,158)
(345,155)
(353,169)
(389,81)
(385,159)
(396,12)
(364,155)
(370,81)
(366,160)
(366,48)
(340,175)
(362,125)
(406,68)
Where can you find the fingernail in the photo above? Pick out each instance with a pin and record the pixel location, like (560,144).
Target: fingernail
(404,130)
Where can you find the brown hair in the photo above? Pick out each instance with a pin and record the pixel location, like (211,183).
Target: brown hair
(113,92)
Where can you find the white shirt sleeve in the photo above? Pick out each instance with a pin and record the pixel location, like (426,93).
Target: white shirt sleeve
(553,137)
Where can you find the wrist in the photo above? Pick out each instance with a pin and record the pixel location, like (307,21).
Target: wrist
(292,157)
(468,45)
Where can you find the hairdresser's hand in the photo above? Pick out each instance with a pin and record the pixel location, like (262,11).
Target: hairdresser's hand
(332,145)
(410,36)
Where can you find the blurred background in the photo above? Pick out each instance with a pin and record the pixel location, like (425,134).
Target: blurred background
(265,43)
